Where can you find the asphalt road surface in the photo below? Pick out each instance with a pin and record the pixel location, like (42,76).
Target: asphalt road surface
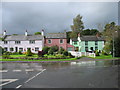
(82,74)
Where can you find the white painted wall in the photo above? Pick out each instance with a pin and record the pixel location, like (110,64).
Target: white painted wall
(24,45)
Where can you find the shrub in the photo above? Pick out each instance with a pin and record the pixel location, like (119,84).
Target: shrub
(20,52)
(54,48)
(6,56)
(51,51)
(97,53)
(61,50)
(65,53)
(45,49)
(7,53)
(40,54)
(29,53)
(104,53)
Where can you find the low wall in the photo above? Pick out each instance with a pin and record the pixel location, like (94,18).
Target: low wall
(79,54)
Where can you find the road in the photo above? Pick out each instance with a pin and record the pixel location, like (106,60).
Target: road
(83,74)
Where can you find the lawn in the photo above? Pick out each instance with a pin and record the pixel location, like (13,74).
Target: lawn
(106,57)
(39,60)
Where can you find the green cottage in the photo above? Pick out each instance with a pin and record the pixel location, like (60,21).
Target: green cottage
(88,43)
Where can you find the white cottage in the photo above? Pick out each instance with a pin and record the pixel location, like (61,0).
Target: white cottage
(15,43)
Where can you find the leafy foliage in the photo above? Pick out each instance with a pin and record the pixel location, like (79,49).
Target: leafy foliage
(61,50)
(38,33)
(65,53)
(29,53)
(77,26)
(45,49)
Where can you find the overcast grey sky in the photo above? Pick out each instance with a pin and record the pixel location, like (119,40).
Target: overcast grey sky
(55,16)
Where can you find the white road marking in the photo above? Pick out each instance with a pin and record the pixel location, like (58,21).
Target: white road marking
(17,70)
(7,81)
(18,86)
(3,70)
(28,70)
(34,76)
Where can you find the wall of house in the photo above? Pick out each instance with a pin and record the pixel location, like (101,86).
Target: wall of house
(56,42)
(81,45)
(24,45)
(100,45)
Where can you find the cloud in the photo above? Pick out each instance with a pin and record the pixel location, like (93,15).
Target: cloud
(54,16)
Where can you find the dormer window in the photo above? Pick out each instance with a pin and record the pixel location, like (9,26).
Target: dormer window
(5,42)
(17,42)
(32,41)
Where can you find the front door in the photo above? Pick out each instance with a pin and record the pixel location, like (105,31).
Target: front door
(16,49)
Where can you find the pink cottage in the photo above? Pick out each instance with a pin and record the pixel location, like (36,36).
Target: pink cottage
(59,39)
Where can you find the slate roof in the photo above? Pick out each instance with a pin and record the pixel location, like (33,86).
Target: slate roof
(90,38)
(56,35)
(23,37)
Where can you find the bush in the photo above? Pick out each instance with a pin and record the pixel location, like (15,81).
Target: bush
(97,53)
(61,50)
(29,53)
(45,49)
(54,48)
(65,53)
(15,53)
(20,52)
(104,53)
(7,53)
(51,51)
(6,56)
(40,54)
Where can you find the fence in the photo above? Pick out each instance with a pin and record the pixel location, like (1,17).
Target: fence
(79,54)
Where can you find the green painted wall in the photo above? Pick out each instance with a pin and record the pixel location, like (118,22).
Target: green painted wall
(81,45)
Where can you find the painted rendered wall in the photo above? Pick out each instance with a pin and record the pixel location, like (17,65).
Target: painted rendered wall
(56,42)
(24,45)
(82,45)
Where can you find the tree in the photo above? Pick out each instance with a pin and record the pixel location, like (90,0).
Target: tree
(77,26)
(93,31)
(117,47)
(89,32)
(110,35)
(86,32)
(29,53)
(68,36)
(37,33)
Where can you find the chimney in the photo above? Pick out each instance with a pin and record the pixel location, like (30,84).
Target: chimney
(26,33)
(98,34)
(4,32)
(42,33)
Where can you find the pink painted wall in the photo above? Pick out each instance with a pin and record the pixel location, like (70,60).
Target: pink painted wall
(56,42)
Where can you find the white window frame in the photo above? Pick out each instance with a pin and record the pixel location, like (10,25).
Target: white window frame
(16,42)
(62,41)
(32,42)
(50,40)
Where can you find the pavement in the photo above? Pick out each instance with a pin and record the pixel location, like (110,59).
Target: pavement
(83,74)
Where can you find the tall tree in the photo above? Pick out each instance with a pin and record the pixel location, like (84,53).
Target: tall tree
(78,25)
(111,37)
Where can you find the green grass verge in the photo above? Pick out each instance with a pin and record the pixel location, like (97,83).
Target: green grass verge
(39,60)
(105,57)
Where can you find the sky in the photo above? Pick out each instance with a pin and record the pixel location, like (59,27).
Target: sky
(17,17)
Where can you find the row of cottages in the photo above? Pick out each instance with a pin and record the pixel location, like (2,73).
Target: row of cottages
(88,43)
(15,43)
